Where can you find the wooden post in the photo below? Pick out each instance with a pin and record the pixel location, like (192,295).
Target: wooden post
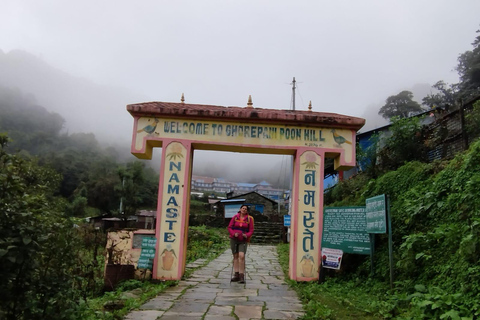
(390,241)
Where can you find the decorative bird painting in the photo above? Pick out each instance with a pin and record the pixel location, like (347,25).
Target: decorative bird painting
(150,128)
(339,139)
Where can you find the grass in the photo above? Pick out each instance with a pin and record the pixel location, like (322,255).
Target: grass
(204,243)
(333,299)
(200,207)
(128,296)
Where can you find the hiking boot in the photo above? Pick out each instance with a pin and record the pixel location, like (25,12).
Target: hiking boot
(242,278)
(236,277)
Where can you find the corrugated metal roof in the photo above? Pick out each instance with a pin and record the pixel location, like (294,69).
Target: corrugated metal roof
(233,200)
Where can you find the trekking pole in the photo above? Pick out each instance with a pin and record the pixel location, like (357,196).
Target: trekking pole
(245,263)
(231,273)
(233,263)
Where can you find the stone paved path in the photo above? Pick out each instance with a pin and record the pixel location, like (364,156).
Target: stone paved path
(209,295)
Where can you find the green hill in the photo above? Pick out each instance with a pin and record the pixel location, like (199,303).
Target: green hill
(435,210)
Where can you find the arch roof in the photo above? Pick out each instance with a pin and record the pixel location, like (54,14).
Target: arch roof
(245,114)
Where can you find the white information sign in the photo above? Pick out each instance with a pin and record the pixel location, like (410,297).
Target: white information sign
(331,258)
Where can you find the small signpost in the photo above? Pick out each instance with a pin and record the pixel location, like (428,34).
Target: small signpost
(379,222)
(331,258)
(376,214)
(148,253)
(287,220)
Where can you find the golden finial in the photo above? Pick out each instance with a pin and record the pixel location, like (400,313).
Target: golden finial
(183,98)
(249,103)
(310,106)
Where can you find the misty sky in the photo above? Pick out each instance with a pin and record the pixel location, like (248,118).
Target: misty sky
(347,56)
(344,54)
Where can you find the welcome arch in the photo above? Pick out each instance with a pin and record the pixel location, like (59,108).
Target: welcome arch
(180,128)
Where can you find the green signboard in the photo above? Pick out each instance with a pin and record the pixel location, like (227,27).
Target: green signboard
(149,242)
(344,228)
(148,253)
(376,217)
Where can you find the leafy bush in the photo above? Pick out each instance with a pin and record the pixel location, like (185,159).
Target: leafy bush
(38,245)
(406,143)
(472,121)
(436,235)
(435,303)
(345,193)
(198,207)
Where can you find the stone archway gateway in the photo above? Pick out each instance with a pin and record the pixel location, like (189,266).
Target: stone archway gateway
(181,128)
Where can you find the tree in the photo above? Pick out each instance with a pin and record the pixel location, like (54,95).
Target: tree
(469,70)
(444,98)
(37,243)
(406,143)
(400,105)
(101,183)
(131,180)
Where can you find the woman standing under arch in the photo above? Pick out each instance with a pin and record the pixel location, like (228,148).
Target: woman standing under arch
(240,229)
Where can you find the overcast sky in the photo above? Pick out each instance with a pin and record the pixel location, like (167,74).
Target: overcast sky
(345,55)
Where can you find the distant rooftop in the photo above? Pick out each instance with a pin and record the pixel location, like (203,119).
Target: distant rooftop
(264,183)
(249,185)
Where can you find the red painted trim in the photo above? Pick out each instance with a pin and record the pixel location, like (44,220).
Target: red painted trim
(134,134)
(294,199)
(320,225)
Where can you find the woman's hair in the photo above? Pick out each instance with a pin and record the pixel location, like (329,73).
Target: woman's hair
(244,205)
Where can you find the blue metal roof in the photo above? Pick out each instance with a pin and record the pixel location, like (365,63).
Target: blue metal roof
(249,185)
(233,200)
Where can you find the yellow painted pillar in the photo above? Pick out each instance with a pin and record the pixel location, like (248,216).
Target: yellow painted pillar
(173,210)
(307,215)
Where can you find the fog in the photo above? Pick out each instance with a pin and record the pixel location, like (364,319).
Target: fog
(87,60)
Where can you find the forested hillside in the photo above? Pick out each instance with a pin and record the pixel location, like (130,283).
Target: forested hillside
(435,210)
(91,176)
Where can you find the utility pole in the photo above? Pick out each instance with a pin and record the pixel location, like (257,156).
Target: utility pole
(289,210)
(293,94)
(121,198)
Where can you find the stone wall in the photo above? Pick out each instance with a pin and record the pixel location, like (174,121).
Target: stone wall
(447,136)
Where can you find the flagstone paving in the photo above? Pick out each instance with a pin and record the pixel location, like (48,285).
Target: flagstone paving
(208,294)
